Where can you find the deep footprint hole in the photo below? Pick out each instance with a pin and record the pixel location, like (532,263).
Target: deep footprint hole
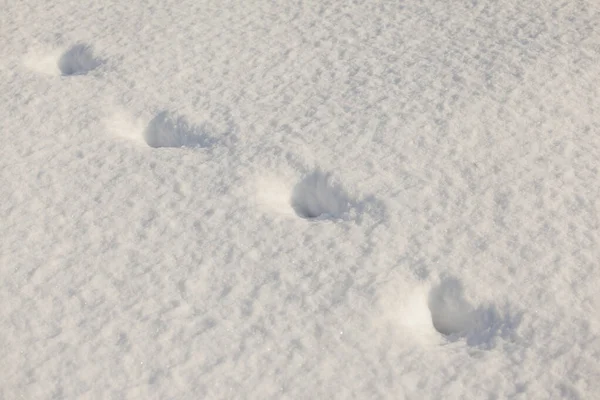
(317,196)
(78,60)
(451,314)
(167,129)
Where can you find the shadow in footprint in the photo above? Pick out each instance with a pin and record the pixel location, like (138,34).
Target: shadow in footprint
(78,60)
(455,318)
(169,130)
(451,314)
(316,196)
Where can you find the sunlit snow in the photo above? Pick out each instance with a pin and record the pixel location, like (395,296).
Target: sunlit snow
(331,199)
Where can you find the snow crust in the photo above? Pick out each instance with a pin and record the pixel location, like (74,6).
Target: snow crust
(299,199)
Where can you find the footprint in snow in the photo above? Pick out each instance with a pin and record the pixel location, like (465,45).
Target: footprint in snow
(167,129)
(318,196)
(427,314)
(451,314)
(455,318)
(78,60)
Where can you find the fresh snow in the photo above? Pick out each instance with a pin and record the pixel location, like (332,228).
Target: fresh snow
(300,199)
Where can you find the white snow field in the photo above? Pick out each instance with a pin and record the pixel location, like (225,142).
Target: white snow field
(368,199)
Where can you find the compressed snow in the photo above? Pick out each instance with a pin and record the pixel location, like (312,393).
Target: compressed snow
(299,199)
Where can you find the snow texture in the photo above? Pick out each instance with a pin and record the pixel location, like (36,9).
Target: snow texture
(310,199)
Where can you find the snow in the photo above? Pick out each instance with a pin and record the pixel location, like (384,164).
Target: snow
(299,199)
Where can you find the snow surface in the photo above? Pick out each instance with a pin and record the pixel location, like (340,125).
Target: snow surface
(299,199)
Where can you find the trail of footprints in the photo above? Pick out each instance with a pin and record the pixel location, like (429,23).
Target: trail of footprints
(316,196)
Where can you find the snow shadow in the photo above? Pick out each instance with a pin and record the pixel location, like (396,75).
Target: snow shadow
(78,60)
(317,196)
(451,314)
(455,318)
(167,129)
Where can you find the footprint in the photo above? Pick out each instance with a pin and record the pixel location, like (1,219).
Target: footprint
(317,196)
(427,314)
(78,60)
(451,314)
(167,129)
(455,318)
